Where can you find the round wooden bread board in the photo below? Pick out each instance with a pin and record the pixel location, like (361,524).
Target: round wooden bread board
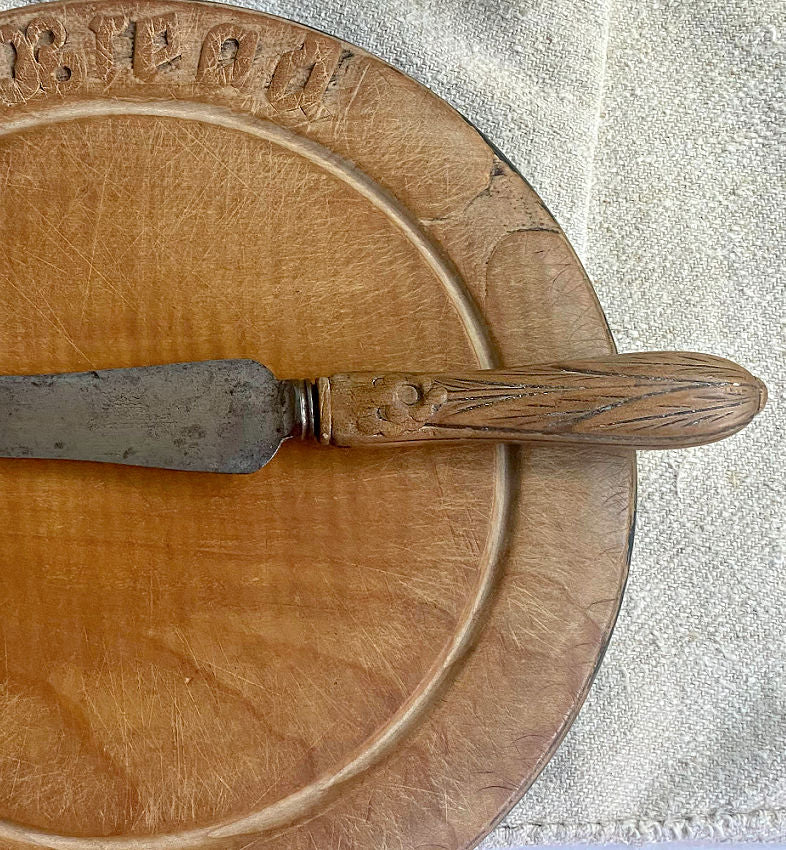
(354,649)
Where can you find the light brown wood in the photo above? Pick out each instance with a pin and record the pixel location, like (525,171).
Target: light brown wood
(358,650)
(653,400)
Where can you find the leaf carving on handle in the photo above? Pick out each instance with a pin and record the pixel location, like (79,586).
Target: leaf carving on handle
(402,403)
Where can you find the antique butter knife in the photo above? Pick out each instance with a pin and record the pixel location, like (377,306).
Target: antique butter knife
(232,415)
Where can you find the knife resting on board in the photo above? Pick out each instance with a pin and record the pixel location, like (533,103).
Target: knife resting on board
(232,415)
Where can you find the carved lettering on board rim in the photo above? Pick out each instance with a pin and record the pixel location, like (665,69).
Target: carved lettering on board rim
(227,55)
(315,61)
(156,45)
(38,62)
(41,58)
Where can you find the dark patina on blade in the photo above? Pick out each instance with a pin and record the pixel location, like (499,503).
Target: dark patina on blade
(211,416)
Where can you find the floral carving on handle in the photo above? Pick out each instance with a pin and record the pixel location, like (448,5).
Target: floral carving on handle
(403,403)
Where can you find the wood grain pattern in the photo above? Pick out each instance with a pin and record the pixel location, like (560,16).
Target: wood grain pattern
(663,400)
(280,660)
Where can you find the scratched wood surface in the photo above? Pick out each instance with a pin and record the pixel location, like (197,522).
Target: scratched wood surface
(368,650)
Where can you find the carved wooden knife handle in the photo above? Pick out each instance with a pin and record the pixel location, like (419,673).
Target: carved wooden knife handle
(655,400)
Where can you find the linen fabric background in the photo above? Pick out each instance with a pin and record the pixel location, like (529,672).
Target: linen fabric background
(655,132)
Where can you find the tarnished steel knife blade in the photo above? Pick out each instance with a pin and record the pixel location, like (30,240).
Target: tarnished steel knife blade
(211,416)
